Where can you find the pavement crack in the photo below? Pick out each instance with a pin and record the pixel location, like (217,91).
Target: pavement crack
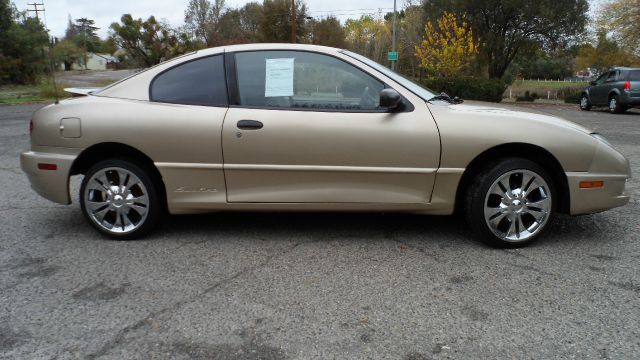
(121,337)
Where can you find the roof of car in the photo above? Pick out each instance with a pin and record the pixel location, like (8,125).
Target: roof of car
(624,68)
(267,46)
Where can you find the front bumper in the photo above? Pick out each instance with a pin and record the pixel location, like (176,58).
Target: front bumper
(593,200)
(50,184)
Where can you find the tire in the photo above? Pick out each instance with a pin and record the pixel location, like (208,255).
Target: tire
(515,214)
(585,104)
(129,207)
(614,105)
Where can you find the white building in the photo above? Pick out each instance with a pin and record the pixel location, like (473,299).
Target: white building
(94,62)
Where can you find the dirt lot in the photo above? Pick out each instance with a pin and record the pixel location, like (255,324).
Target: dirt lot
(299,286)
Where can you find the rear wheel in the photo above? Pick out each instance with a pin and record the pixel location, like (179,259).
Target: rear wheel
(120,199)
(614,105)
(585,105)
(510,203)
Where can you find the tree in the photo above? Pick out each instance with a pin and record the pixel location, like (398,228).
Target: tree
(505,27)
(328,31)
(622,19)
(541,64)
(202,18)
(147,42)
(605,55)
(410,31)
(85,36)
(72,31)
(23,41)
(275,24)
(369,36)
(447,50)
(67,53)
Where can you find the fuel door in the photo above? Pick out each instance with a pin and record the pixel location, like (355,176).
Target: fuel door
(70,128)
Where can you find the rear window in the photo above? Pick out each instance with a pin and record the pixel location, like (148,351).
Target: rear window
(634,75)
(197,82)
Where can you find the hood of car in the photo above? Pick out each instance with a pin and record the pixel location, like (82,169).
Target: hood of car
(518,115)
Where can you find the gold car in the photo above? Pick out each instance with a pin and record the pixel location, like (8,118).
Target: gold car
(309,128)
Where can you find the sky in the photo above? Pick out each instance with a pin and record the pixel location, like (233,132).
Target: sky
(105,12)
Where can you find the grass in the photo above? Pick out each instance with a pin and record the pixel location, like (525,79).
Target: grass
(546,85)
(23,94)
(554,90)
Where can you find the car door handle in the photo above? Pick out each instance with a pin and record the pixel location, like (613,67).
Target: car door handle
(249,125)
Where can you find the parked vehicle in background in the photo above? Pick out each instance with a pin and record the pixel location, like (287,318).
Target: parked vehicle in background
(618,89)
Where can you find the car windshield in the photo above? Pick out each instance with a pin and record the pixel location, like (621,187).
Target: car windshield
(423,92)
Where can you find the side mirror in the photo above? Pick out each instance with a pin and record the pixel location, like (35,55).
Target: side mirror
(592,82)
(390,99)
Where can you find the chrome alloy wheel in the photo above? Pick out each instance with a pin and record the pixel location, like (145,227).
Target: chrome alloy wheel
(517,205)
(116,200)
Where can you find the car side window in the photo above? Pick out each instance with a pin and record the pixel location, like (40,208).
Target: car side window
(634,75)
(601,78)
(304,80)
(612,76)
(197,82)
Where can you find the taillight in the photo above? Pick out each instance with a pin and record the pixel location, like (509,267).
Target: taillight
(627,85)
(30,127)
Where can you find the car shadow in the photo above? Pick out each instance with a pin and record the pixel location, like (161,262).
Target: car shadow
(319,226)
(435,231)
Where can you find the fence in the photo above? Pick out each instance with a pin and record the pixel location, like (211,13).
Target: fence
(544,89)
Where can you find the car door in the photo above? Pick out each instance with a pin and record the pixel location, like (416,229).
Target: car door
(597,94)
(306,127)
(608,85)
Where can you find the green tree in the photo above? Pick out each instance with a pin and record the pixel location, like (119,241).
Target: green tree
(66,52)
(605,55)
(202,19)
(369,36)
(622,19)
(506,27)
(328,31)
(147,42)
(541,64)
(275,24)
(23,42)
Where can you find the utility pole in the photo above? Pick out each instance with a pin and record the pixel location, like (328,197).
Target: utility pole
(293,21)
(36,9)
(393,37)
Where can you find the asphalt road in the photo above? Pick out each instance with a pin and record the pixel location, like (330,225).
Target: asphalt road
(299,286)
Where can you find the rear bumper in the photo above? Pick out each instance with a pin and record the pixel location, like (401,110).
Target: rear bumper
(589,201)
(631,99)
(50,184)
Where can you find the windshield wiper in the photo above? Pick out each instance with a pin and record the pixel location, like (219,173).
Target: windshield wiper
(447,98)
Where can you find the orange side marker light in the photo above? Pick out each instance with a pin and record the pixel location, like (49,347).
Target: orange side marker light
(591,184)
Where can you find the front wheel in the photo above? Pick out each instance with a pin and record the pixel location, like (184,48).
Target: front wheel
(585,105)
(511,203)
(120,199)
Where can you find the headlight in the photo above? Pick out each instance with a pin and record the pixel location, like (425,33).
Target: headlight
(601,138)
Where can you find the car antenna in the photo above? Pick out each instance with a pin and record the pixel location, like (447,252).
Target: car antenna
(48,58)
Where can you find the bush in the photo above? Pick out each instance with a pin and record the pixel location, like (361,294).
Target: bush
(530,97)
(468,88)
(573,96)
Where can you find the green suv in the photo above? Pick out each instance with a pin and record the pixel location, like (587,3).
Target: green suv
(619,89)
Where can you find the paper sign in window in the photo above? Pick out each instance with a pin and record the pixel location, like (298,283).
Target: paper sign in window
(279,77)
